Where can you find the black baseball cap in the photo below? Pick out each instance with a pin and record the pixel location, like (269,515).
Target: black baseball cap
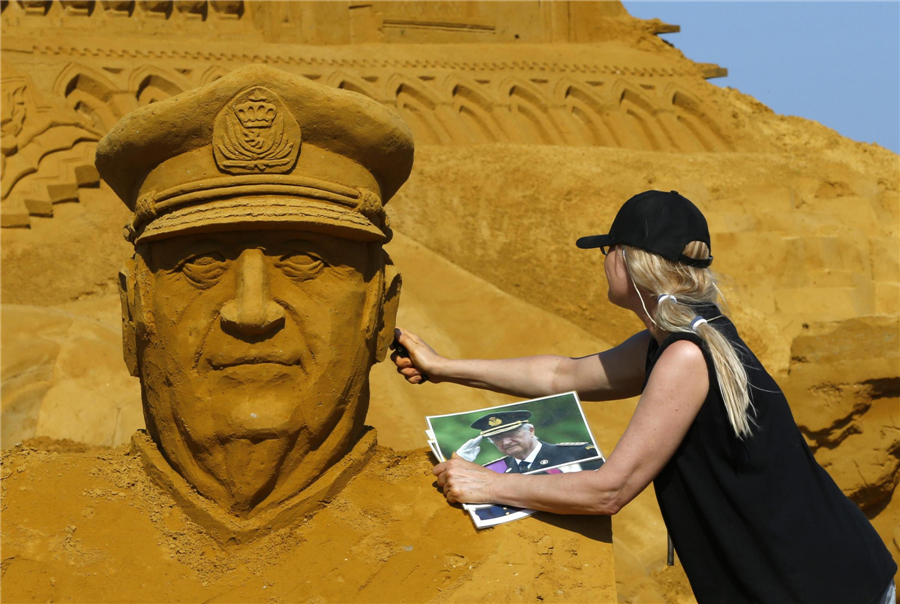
(659,222)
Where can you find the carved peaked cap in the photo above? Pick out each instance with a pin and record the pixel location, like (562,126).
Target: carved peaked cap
(258,148)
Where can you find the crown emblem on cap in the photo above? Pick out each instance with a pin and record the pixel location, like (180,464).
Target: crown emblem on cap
(495,421)
(256,112)
(256,133)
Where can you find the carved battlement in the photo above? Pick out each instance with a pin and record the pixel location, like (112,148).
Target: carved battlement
(336,22)
(117,9)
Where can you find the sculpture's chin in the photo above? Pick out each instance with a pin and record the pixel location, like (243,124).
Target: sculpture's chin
(250,446)
(251,470)
(258,464)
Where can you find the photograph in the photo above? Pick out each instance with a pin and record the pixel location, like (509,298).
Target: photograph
(486,516)
(528,437)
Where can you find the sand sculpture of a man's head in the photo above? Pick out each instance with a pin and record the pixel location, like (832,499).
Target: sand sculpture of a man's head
(259,295)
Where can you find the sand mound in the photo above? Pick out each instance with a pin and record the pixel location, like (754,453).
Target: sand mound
(387,537)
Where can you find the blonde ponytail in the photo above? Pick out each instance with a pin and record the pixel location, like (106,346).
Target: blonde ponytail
(677,287)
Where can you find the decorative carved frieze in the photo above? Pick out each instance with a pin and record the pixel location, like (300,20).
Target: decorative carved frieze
(515,95)
(365,62)
(47,153)
(147,9)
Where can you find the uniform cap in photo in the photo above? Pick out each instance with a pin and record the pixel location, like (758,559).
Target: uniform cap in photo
(500,422)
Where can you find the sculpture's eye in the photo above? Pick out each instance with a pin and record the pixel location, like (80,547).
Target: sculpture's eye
(301,265)
(204,270)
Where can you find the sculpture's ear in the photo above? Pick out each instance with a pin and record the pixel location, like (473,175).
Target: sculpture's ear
(390,303)
(127,284)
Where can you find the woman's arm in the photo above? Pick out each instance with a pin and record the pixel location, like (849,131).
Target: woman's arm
(614,374)
(671,401)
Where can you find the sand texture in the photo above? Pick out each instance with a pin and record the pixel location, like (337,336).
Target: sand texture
(533,122)
(387,537)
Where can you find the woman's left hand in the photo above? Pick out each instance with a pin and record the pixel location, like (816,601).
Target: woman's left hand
(465,482)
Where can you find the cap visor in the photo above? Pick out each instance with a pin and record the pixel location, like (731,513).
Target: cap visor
(246,213)
(594,241)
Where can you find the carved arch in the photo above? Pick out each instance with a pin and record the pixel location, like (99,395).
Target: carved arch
(529,111)
(89,93)
(588,112)
(353,83)
(690,115)
(150,84)
(418,106)
(212,74)
(638,115)
(474,110)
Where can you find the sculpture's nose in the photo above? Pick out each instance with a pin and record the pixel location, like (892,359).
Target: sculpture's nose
(252,311)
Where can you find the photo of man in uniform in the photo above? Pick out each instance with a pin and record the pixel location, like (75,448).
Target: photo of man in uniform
(514,431)
(523,451)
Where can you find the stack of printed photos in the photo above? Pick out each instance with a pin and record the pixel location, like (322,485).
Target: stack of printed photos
(547,435)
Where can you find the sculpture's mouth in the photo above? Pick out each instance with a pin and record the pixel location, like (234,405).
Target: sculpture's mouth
(219,363)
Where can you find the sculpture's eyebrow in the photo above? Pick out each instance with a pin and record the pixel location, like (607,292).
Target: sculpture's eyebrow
(176,258)
(168,254)
(201,246)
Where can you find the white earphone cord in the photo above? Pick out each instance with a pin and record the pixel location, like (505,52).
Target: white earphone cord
(640,297)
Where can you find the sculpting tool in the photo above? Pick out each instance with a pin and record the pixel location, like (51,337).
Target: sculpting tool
(403,353)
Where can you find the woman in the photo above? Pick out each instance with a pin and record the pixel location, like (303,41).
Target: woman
(752,515)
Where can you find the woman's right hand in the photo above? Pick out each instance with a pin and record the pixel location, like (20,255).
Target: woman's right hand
(422,360)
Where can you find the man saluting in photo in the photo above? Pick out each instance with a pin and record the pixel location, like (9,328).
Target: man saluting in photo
(522,450)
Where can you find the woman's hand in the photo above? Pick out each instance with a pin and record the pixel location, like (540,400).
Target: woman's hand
(422,358)
(465,482)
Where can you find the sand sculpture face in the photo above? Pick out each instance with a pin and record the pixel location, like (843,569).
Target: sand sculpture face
(259,295)
(254,352)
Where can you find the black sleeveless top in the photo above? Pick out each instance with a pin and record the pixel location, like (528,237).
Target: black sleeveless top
(759,520)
